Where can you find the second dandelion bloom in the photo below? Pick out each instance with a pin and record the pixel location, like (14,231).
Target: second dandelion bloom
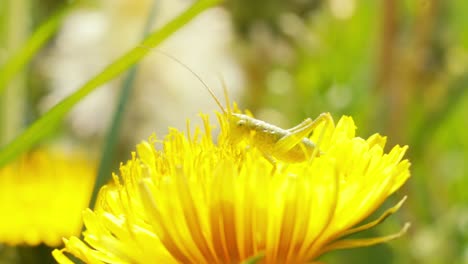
(42,195)
(192,200)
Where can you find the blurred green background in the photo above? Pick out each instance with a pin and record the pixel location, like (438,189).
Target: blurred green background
(399,68)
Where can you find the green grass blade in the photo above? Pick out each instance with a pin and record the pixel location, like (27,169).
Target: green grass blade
(45,124)
(17,61)
(112,135)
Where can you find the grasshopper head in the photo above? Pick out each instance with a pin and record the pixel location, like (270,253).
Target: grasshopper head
(239,127)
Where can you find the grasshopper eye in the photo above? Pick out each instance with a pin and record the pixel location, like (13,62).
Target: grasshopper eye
(241,123)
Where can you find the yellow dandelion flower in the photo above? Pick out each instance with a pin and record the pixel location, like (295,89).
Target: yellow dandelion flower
(196,201)
(42,196)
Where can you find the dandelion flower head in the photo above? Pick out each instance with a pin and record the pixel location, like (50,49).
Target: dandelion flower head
(42,195)
(190,198)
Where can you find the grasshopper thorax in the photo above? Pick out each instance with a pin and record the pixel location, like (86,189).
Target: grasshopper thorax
(246,127)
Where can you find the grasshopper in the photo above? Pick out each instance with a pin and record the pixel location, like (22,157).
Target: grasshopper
(289,145)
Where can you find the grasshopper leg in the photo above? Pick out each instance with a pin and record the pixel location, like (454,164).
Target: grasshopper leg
(302,125)
(299,132)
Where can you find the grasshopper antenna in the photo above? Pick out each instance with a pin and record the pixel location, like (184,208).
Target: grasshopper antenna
(199,78)
(226,94)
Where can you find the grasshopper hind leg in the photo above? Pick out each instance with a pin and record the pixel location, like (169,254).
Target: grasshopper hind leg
(328,120)
(297,134)
(302,125)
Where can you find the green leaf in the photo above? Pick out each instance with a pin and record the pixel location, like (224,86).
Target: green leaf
(112,135)
(45,124)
